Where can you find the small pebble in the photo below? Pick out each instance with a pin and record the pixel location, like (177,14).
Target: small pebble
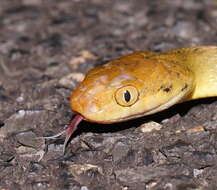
(151,185)
(78,169)
(70,80)
(196,129)
(197,172)
(150,126)
(120,151)
(84,188)
(20,98)
(22,120)
(28,138)
(84,56)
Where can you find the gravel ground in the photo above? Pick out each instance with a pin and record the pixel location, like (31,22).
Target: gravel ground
(46,47)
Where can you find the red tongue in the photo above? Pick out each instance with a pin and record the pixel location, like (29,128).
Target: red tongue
(71,129)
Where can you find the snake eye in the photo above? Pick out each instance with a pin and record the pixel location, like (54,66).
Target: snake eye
(126,96)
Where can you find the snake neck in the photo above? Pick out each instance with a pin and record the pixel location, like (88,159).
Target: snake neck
(202,61)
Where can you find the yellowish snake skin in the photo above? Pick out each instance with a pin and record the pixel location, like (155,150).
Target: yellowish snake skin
(143,83)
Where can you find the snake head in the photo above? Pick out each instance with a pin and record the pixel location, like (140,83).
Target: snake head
(130,87)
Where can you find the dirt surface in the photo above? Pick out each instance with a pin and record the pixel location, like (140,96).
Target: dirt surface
(46,47)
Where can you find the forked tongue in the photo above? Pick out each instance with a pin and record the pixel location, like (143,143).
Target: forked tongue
(71,129)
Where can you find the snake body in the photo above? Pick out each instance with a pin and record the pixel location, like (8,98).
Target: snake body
(145,82)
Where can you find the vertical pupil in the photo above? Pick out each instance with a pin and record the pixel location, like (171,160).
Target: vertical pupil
(127,96)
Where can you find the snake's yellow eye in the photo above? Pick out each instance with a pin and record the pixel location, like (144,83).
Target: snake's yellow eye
(126,96)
